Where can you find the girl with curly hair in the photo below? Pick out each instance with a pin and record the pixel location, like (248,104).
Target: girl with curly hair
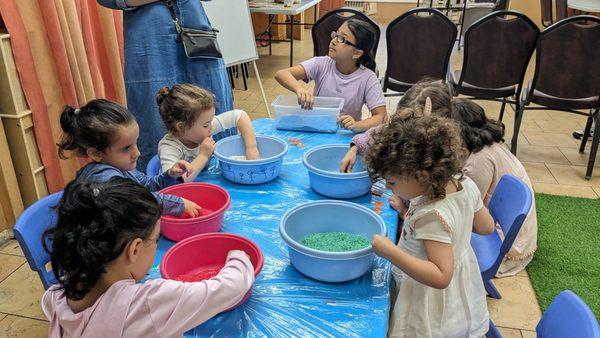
(438,285)
(488,161)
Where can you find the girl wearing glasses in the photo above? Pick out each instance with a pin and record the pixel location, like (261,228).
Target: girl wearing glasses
(348,71)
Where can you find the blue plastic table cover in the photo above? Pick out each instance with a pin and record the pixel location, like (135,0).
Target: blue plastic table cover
(285,303)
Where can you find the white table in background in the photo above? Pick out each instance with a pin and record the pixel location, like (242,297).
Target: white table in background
(590,6)
(272,9)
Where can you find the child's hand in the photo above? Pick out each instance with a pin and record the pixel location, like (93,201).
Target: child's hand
(191,209)
(252,154)
(180,168)
(381,245)
(349,159)
(305,98)
(399,204)
(347,122)
(207,147)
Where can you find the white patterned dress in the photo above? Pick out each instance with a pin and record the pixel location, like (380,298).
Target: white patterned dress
(459,310)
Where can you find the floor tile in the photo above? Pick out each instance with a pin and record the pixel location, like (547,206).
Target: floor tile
(13,326)
(574,175)
(536,115)
(565,190)
(508,332)
(21,292)
(523,273)
(550,139)
(8,265)
(530,153)
(560,125)
(2,316)
(577,158)
(518,308)
(538,172)
(528,334)
(11,248)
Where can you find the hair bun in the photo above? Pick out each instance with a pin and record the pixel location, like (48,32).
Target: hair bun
(162,94)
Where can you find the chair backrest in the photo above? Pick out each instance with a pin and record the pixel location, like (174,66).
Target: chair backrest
(510,203)
(497,50)
(546,7)
(567,58)
(409,58)
(568,316)
(501,5)
(153,168)
(29,229)
(321,30)
(561,9)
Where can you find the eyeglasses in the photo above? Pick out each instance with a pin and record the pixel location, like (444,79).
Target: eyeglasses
(341,39)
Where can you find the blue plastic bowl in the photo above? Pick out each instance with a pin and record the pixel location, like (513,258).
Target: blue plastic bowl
(271,149)
(323,164)
(327,216)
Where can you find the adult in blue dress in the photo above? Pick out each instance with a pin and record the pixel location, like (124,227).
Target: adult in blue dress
(154,58)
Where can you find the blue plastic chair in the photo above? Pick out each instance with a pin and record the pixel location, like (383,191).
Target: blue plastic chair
(29,229)
(509,206)
(568,316)
(153,168)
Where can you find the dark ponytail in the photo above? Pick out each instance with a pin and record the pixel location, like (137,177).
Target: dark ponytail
(95,223)
(91,126)
(365,40)
(477,130)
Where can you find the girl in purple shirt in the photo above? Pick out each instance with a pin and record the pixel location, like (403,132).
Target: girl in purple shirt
(347,72)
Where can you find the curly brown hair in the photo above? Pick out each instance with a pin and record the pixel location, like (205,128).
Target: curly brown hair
(427,148)
(181,105)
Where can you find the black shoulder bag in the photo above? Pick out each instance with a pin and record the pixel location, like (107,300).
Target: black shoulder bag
(196,43)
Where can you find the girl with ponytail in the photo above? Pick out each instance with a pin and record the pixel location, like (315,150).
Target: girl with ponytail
(103,245)
(348,71)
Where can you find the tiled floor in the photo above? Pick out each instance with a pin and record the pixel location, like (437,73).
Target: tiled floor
(546,148)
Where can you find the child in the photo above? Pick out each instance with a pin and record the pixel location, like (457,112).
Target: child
(107,133)
(188,113)
(439,288)
(347,72)
(488,161)
(411,104)
(103,244)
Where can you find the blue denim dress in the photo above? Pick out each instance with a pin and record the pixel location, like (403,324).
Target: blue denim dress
(155,58)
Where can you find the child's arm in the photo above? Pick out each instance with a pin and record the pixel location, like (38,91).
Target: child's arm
(435,272)
(207,147)
(176,307)
(483,223)
(290,79)
(240,119)
(378,115)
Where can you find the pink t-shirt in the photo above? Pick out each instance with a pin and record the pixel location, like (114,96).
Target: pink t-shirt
(358,88)
(156,308)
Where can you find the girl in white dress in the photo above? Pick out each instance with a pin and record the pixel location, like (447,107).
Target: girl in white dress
(438,286)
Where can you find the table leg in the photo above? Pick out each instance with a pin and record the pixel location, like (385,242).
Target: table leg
(292,41)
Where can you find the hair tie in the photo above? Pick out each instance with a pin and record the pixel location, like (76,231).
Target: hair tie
(96,192)
(77,111)
(427,108)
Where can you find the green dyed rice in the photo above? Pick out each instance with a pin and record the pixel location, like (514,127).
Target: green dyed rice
(335,241)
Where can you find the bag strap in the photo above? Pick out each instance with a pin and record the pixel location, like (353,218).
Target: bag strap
(173,16)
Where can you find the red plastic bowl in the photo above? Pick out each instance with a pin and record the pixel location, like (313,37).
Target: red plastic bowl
(214,201)
(205,254)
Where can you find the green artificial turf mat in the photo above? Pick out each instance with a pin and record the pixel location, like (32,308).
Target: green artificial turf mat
(568,254)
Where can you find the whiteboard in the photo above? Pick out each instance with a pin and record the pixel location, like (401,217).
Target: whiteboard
(236,35)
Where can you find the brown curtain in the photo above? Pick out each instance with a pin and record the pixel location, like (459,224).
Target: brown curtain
(66,52)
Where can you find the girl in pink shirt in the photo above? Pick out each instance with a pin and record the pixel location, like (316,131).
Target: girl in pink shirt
(348,71)
(103,244)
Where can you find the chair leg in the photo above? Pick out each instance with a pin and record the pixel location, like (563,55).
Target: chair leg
(502,109)
(586,134)
(594,150)
(493,331)
(520,109)
(490,288)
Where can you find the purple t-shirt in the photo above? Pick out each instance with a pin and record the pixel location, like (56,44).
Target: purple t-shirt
(358,88)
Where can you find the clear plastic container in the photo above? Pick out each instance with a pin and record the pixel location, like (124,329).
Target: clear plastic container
(321,118)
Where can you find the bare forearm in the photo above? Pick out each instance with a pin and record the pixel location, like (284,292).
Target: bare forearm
(368,123)
(246,129)
(198,163)
(423,271)
(287,80)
